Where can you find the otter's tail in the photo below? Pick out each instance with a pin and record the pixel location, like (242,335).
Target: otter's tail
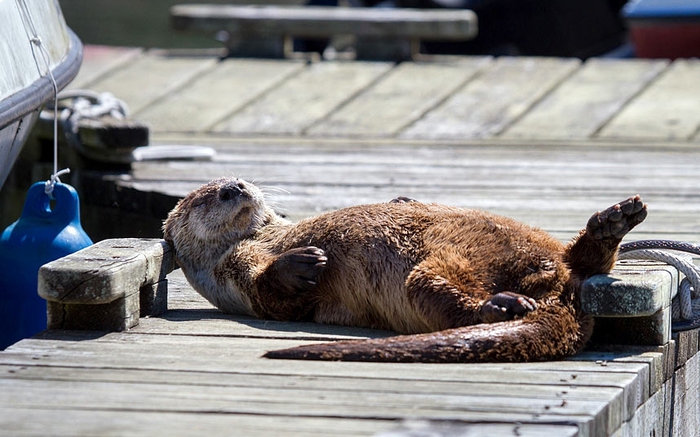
(541,335)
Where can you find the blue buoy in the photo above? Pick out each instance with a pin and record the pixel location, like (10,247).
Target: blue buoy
(49,228)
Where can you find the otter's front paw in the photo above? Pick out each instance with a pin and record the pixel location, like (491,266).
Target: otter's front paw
(300,267)
(505,306)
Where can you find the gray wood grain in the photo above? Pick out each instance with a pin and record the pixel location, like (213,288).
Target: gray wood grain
(213,96)
(494,100)
(669,109)
(305,99)
(99,61)
(150,77)
(583,104)
(399,99)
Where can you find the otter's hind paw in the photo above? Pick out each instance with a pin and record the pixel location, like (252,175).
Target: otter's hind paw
(616,221)
(505,306)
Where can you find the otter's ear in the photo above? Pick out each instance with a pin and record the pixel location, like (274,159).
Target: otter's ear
(170,223)
(167,234)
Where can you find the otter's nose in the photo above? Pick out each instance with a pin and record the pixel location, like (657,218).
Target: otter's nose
(229,192)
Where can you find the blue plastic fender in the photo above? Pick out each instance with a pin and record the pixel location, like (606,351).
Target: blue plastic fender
(48,229)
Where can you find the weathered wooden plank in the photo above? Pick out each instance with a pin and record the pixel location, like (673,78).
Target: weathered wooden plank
(348,383)
(428,428)
(669,109)
(656,357)
(108,285)
(182,296)
(400,98)
(215,323)
(152,76)
(648,419)
(490,165)
(105,271)
(91,422)
(686,395)
(553,187)
(218,93)
(494,100)
(686,346)
(304,99)
(99,61)
(308,403)
(347,389)
(222,354)
(579,107)
(640,177)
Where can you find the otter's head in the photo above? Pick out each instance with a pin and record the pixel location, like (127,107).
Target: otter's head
(223,211)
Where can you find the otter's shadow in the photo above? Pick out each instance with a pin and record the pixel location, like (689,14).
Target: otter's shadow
(247,325)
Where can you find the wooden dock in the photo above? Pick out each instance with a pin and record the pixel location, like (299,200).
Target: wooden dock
(547,141)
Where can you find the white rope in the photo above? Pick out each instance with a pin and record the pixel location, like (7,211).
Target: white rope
(686,304)
(86,104)
(35,42)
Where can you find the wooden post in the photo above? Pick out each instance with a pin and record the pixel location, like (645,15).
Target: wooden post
(632,304)
(107,286)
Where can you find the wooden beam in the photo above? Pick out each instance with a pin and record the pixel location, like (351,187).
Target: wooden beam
(107,286)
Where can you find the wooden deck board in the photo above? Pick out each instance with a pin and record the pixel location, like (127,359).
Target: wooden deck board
(304,99)
(91,422)
(213,96)
(412,89)
(494,100)
(669,109)
(554,187)
(583,104)
(180,395)
(196,380)
(99,61)
(152,76)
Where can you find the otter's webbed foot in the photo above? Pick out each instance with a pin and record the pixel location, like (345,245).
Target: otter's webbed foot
(615,222)
(506,306)
(403,199)
(300,267)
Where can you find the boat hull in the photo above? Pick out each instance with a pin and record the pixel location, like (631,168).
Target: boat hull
(25,85)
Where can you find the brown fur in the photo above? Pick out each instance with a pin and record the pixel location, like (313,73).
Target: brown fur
(465,284)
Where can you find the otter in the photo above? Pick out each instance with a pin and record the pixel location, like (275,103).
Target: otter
(455,284)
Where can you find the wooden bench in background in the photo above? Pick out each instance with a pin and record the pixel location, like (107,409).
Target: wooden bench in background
(267,31)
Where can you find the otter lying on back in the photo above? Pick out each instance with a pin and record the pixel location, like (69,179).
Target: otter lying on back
(466,285)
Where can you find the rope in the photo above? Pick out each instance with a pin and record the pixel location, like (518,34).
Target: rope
(685,306)
(36,43)
(86,104)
